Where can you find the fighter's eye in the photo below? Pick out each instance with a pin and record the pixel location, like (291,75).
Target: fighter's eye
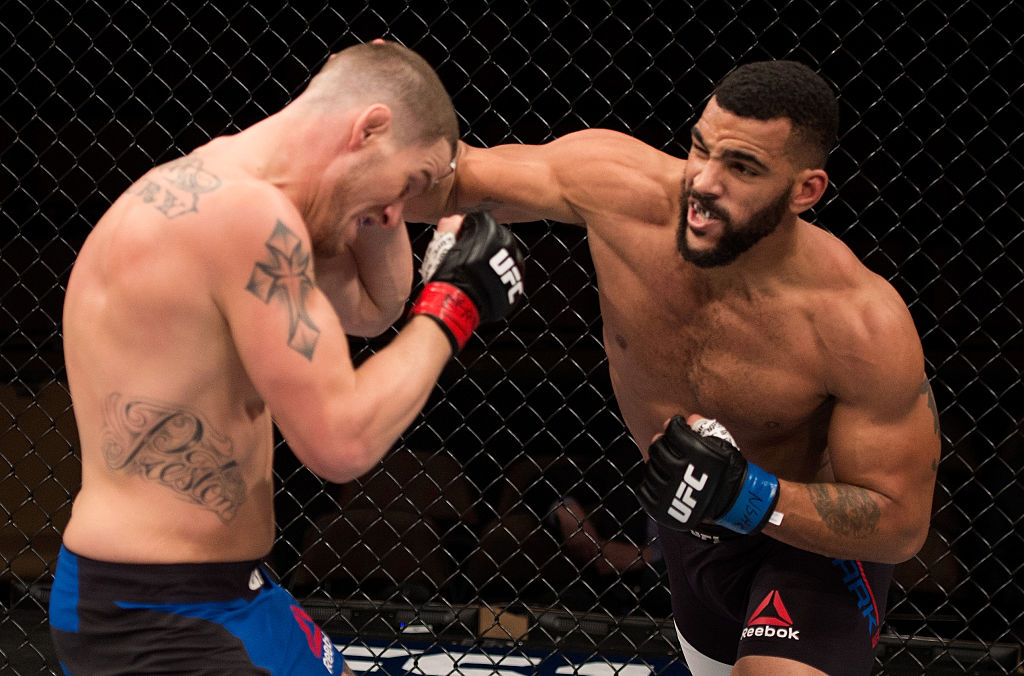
(743,169)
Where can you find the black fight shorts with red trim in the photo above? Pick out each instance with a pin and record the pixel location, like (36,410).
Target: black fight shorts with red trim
(206,618)
(753,595)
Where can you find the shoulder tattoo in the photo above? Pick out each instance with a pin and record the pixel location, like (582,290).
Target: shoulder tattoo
(176,448)
(285,276)
(174,188)
(846,510)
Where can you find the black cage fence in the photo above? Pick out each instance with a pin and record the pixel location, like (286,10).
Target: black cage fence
(457,534)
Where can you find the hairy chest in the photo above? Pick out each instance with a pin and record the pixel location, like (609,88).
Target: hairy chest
(751,362)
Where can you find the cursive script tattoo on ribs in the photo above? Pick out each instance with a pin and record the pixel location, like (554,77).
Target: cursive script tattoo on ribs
(176,448)
(846,510)
(285,275)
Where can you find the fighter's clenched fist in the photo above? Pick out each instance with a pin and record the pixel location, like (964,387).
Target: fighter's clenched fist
(472,278)
(697,475)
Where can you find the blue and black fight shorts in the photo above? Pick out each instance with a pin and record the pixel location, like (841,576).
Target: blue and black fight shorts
(202,618)
(754,595)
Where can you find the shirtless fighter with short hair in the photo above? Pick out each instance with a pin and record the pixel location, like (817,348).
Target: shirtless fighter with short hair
(780,522)
(212,300)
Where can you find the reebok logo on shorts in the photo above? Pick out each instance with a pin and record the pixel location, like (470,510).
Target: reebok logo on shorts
(320,644)
(771,620)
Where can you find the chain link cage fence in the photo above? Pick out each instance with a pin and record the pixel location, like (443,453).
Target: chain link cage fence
(454,540)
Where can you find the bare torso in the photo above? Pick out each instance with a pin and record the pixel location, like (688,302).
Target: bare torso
(753,358)
(808,358)
(176,443)
(764,345)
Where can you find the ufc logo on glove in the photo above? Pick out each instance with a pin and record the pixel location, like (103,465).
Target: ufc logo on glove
(684,502)
(505,267)
(470,278)
(698,474)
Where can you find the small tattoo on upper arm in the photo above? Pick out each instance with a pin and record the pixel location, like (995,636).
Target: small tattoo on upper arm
(285,275)
(926,389)
(175,447)
(174,188)
(846,510)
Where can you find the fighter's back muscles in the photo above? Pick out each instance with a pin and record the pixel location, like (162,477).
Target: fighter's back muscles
(174,438)
(198,320)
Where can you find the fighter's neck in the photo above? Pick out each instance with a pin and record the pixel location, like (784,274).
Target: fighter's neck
(287,150)
(775,260)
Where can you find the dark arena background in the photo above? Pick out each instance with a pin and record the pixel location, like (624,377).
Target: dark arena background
(441,560)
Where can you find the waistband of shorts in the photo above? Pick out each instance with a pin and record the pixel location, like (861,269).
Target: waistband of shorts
(164,582)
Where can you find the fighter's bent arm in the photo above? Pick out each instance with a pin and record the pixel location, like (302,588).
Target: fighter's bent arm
(369,281)
(338,420)
(884,449)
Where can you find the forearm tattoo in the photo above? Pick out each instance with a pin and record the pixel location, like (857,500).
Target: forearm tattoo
(174,188)
(926,390)
(846,510)
(285,275)
(176,448)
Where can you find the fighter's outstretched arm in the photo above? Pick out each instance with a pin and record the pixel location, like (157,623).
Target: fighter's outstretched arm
(567,180)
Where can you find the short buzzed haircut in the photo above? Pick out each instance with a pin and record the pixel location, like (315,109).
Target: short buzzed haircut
(388,73)
(767,90)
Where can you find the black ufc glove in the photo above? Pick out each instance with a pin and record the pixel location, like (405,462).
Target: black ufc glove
(695,477)
(475,278)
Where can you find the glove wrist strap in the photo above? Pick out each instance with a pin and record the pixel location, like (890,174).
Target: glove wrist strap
(755,502)
(451,308)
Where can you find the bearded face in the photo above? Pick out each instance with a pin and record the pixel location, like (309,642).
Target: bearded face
(736,237)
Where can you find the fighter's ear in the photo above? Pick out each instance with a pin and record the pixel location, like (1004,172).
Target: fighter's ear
(808,187)
(373,122)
